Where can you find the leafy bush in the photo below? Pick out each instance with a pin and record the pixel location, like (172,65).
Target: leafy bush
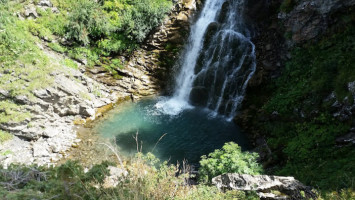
(86,21)
(229,159)
(142,16)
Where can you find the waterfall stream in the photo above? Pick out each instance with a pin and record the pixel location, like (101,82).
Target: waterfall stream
(215,68)
(217,63)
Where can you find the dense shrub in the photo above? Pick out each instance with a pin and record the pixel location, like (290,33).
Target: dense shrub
(142,16)
(86,21)
(229,159)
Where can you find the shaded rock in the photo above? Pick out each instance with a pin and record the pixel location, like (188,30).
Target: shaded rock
(199,96)
(310,19)
(346,139)
(22,99)
(97,70)
(287,187)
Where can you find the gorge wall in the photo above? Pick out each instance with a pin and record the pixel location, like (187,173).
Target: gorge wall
(299,108)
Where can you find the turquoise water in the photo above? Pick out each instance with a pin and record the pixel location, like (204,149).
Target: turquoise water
(189,135)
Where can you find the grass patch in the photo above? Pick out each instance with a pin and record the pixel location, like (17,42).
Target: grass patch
(5,136)
(57,47)
(70,63)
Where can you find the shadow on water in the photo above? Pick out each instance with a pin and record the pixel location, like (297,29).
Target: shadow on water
(189,135)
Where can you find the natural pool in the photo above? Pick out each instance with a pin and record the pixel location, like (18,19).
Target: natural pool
(189,135)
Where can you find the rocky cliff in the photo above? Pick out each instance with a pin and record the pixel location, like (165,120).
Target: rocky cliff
(78,95)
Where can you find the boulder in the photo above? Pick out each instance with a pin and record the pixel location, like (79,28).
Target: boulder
(267,187)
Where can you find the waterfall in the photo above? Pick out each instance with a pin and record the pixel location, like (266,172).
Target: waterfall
(218,61)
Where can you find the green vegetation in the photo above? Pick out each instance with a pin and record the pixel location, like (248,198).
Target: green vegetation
(70,63)
(147,179)
(301,129)
(57,47)
(4,136)
(229,159)
(88,31)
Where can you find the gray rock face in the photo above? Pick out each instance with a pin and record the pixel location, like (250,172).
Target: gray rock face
(312,18)
(265,186)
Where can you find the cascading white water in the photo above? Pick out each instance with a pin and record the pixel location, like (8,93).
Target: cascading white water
(217,64)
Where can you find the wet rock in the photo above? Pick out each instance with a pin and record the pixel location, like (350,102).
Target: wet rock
(287,187)
(210,32)
(199,96)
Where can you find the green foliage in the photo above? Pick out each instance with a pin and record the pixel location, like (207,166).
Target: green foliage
(229,159)
(70,63)
(116,43)
(39,30)
(86,21)
(303,133)
(55,22)
(57,47)
(313,73)
(142,16)
(147,178)
(287,5)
